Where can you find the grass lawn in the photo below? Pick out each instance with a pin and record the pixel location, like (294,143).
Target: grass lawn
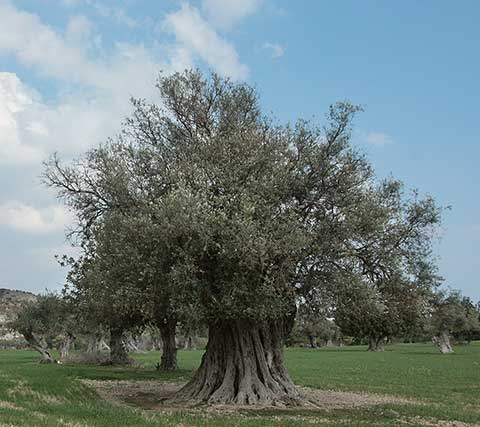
(444,390)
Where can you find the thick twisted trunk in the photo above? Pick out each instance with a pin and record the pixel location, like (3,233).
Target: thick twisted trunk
(168,361)
(313,341)
(375,343)
(189,343)
(243,365)
(40,346)
(118,352)
(443,342)
(96,344)
(65,345)
(93,344)
(130,344)
(156,343)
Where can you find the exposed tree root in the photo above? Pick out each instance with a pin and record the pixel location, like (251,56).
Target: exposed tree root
(243,365)
(375,344)
(161,396)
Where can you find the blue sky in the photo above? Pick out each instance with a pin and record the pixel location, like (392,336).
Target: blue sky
(68,67)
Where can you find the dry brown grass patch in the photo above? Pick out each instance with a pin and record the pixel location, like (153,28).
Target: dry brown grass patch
(160,395)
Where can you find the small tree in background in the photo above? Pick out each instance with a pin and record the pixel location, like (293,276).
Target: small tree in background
(314,323)
(451,315)
(471,330)
(383,289)
(44,322)
(105,283)
(383,309)
(361,312)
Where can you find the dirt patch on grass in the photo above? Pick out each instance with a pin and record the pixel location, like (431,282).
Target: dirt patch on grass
(144,394)
(159,395)
(329,399)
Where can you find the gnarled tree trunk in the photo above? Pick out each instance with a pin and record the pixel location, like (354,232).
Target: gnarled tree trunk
(375,343)
(93,344)
(96,344)
(130,344)
(168,361)
(189,343)
(313,341)
(243,365)
(40,346)
(443,342)
(118,352)
(66,344)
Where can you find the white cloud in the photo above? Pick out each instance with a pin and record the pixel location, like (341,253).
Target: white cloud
(378,139)
(226,13)
(95,96)
(194,34)
(37,45)
(30,130)
(276,50)
(15,100)
(115,13)
(28,219)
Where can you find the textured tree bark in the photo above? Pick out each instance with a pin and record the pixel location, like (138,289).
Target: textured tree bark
(243,365)
(130,344)
(443,342)
(313,341)
(93,344)
(168,361)
(96,343)
(39,346)
(118,352)
(156,343)
(66,344)
(189,343)
(375,344)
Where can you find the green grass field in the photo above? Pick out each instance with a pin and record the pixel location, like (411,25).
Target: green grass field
(444,390)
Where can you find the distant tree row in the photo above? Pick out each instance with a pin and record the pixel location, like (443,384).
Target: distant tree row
(54,322)
(376,320)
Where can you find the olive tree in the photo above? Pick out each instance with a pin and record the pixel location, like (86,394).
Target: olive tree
(451,316)
(376,312)
(44,322)
(471,329)
(244,217)
(104,284)
(384,293)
